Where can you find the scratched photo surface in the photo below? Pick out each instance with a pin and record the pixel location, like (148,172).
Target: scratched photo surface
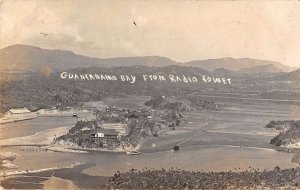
(149,94)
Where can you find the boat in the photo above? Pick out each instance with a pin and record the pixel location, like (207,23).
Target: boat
(176,148)
(132,153)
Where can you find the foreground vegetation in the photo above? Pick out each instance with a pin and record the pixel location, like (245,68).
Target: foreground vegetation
(180,179)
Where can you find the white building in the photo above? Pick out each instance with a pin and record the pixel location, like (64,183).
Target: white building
(18,112)
(97,135)
(107,133)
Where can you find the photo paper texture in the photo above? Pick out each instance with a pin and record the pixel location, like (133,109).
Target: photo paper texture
(149,94)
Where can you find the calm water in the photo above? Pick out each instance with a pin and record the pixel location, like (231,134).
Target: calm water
(30,127)
(207,158)
(228,142)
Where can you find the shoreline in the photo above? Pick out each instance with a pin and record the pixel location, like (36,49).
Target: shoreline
(74,149)
(43,137)
(5,120)
(40,177)
(56,113)
(5,174)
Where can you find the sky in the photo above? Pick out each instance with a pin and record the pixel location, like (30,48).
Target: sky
(180,30)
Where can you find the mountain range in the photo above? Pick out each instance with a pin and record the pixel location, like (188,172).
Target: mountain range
(29,58)
(241,64)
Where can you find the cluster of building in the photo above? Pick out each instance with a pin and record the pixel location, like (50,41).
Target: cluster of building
(112,121)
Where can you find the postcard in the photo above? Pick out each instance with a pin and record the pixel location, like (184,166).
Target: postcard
(149,94)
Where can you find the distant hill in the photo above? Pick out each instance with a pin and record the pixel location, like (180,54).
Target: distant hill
(271,68)
(40,90)
(291,76)
(30,58)
(234,64)
(222,71)
(175,69)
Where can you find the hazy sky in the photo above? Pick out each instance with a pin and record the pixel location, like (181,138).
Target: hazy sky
(180,30)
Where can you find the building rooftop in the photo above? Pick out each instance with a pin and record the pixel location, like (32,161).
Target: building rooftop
(19,110)
(108,131)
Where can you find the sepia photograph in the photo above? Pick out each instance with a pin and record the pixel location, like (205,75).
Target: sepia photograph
(154,95)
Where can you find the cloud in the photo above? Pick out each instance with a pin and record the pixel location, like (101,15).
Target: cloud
(183,30)
(24,23)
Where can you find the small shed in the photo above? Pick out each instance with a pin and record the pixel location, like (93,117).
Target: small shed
(18,111)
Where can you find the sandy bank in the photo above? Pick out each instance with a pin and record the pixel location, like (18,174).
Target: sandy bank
(15,119)
(63,149)
(2,174)
(67,147)
(43,137)
(6,159)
